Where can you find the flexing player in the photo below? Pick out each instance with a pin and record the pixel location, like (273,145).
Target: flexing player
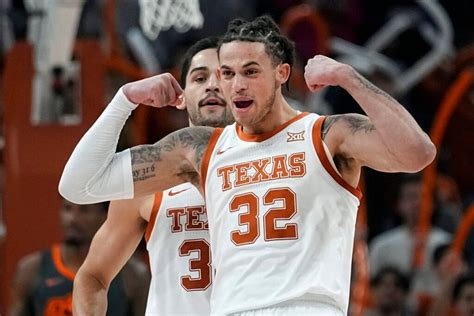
(175,220)
(43,281)
(280,187)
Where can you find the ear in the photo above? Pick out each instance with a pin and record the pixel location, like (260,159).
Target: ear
(283,73)
(181,105)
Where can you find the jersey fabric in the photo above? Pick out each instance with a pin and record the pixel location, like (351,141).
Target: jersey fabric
(51,294)
(281,218)
(180,260)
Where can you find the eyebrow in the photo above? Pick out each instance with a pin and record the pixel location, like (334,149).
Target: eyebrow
(250,63)
(198,69)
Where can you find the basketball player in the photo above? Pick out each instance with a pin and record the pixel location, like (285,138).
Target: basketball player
(280,186)
(43,280)
(175,221)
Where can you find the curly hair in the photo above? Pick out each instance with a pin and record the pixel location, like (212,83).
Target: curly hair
(264,30)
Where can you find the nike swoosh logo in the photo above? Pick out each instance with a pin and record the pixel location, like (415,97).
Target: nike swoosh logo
(221,151)
(171,193)
(50,282)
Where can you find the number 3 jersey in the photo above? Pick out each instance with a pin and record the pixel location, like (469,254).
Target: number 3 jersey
(281,218)
(180,261)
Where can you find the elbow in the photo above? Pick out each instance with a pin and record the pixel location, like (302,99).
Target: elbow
(70,190)
(424,154)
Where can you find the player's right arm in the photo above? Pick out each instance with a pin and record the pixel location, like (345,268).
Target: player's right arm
(95,172)
(112,246)
(26,273)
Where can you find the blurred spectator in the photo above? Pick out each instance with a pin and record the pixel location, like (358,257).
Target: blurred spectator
(395,247)
(463,296)
(389,293)
(456,293)
(44,279)
(439,279)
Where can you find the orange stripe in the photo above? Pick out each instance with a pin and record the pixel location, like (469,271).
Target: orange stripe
(318,146)
(154,214)
(58,263)
(261,137)
(448,105)
(207,156)
(463,230)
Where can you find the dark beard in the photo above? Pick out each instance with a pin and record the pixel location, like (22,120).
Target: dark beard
(73,242)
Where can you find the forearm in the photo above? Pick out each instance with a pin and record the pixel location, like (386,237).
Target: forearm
(95,172)
(399,131)
(89,295)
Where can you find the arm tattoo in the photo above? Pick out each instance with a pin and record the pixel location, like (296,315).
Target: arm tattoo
(194,138)
(328,123)
(367,84)
(355,122)
(359,123)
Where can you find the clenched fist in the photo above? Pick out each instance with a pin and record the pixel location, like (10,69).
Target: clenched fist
(322,71)
(158,91)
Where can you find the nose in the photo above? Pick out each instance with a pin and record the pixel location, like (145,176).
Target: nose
(213,84)
(239,84)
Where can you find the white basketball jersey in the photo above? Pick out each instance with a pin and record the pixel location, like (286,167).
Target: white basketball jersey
(180,259)
(281,218)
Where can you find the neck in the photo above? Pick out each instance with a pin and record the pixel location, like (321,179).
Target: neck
(280,113)
(73,256)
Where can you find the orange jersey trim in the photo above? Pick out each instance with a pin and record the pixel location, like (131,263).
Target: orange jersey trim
(154,214)
(207,156)
(58,263)
(262,137)
(319,147)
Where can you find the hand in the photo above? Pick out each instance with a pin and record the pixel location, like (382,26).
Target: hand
(157,91)
(322,71)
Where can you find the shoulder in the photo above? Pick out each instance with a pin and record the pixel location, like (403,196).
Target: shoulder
(30,262)
(439,236)
(28,269)
(337,126)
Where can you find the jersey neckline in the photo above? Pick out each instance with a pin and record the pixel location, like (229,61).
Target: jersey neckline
(264,136)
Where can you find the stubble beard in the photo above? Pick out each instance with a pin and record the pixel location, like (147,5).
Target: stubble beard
(221,120)
(261,114)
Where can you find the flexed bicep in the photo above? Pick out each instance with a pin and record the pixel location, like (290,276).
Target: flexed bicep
(354,142)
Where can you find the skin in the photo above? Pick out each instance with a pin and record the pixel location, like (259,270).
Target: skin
(127,220)
(465,303)
(388,139)
(79,223)
(409,204)
(389,296)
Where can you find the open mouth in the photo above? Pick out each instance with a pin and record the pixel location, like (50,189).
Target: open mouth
(243,104)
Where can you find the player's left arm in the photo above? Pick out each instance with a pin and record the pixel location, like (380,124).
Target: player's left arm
(387,139)
(116,240)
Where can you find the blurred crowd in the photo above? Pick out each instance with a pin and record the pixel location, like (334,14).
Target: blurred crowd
(444,284)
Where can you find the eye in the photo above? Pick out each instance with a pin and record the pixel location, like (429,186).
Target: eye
(251,72)
(200,79)
(227,73)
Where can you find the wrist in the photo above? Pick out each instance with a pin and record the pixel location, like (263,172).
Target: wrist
(127,90)
(123,100)
(348,77)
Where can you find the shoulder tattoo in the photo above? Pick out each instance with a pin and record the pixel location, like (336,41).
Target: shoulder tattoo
(355,122)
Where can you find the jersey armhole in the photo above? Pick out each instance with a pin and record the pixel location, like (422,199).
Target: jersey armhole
(154,214)
(323,157)
(207,157)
